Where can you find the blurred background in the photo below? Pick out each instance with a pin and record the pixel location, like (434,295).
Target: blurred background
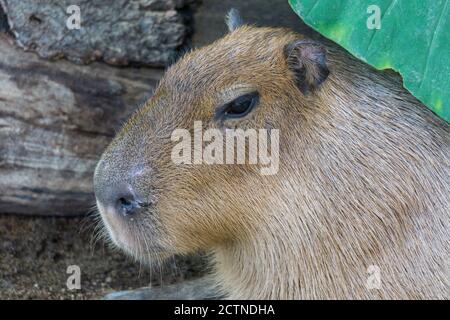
(66,86)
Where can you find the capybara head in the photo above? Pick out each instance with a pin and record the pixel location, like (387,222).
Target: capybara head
(350,171)
(152,205)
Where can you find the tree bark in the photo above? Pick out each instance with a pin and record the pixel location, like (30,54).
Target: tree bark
(56,118)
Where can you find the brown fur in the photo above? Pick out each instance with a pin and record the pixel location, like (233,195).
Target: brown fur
(364,178)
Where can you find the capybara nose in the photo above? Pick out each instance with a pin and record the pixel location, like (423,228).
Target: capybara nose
(128,205)
(123,200)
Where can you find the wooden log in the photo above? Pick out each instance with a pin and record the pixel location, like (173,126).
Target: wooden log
(119,32)
(56,118)
(3,21)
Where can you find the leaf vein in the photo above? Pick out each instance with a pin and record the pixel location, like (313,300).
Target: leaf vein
(431,45)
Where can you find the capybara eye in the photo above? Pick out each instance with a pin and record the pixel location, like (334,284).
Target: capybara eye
(240,106)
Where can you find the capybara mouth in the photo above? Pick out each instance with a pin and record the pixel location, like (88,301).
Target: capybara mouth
(131,233)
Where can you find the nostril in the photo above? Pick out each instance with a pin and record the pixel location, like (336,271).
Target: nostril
(127,205)
(130,205)
(121,199)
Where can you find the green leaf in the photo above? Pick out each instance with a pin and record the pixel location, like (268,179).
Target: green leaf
(413,39)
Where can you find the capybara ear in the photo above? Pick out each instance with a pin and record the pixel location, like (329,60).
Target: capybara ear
(307,60)
(234,19)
